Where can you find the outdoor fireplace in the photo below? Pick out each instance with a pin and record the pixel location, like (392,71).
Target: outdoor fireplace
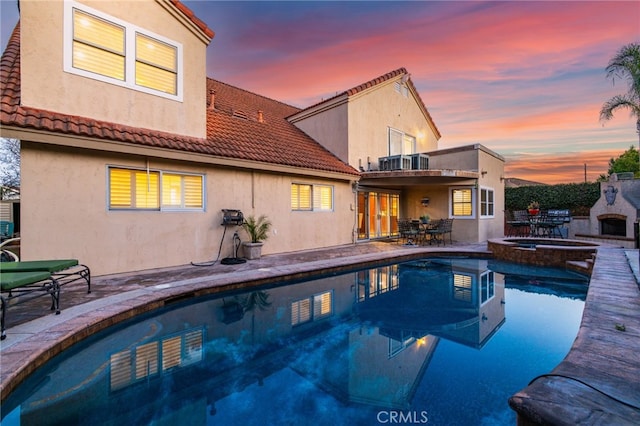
(615,225)
(614,218)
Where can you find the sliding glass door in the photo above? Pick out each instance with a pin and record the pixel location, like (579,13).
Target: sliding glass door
(377,214)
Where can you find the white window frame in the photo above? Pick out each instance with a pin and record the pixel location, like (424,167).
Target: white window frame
(314,302)
(408,143)
(486,203)
(487,287)
(162,208)
(314,201)
(473,202)
(130,52)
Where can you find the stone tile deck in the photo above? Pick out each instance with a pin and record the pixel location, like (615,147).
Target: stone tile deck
(598,383)
(602,356)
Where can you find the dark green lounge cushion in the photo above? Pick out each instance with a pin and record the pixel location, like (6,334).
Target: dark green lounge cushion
(11,280)
(38,265)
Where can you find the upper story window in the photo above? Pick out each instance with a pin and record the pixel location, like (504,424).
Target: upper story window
(104,48)
(401,143)
(132,189)
(486,202)
(311,197)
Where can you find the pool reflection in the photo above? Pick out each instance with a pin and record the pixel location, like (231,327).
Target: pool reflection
(364,337)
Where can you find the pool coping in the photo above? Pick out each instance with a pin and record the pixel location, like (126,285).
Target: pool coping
(597,382)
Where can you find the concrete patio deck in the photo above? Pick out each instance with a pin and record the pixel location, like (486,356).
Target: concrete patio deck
(602,356)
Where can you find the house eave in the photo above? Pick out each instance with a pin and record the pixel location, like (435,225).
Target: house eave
(82,142)
(179,14)
(419,177)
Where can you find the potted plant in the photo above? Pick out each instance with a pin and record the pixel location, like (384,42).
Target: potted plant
(425,218)
(258,230)
(534,207)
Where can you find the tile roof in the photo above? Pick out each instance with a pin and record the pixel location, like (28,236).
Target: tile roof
(275,141)
(192,17)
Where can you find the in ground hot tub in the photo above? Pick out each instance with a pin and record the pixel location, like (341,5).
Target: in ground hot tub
(542,251)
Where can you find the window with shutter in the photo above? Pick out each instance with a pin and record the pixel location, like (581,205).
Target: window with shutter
(301,197)
(154,190)
(98,45)
(156,64)
(105,48)
(306,197)
(462,202)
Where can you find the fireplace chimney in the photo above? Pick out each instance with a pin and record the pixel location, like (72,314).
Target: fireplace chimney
(260,116)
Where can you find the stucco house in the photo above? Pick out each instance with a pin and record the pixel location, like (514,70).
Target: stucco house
(130,152)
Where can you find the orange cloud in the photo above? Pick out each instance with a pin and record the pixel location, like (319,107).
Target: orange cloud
(568,167)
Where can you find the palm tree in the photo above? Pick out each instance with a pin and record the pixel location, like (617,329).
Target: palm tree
(625,64)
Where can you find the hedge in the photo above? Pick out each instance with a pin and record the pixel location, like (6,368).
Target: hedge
(578,198)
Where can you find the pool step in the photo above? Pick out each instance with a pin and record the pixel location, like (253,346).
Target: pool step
(581,266)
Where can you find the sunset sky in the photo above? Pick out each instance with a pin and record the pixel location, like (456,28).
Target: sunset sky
(525,79)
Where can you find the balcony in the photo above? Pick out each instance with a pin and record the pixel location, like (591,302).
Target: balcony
(404,162)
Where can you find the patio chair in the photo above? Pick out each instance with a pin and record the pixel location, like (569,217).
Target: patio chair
(440,229)
(6,230)
(18,283)
(518,223)
(548,226)
(64,271)
(408,231)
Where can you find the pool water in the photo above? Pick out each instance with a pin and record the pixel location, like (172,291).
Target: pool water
(434,341)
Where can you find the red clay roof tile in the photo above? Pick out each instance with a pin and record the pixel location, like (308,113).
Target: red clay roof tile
(193,18)
(273,141)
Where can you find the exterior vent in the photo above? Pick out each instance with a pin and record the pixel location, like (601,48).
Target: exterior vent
(240,114)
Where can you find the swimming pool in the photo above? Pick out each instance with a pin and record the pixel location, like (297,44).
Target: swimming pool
(438,341)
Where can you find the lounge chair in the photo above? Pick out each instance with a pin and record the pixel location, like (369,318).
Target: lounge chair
(7,255)
(64,271)
(18,283)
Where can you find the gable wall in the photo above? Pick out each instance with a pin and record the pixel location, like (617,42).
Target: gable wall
(372,112)
(45,85)
(329,128)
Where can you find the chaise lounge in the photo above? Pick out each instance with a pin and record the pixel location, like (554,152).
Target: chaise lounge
(18,283)
(64,271)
